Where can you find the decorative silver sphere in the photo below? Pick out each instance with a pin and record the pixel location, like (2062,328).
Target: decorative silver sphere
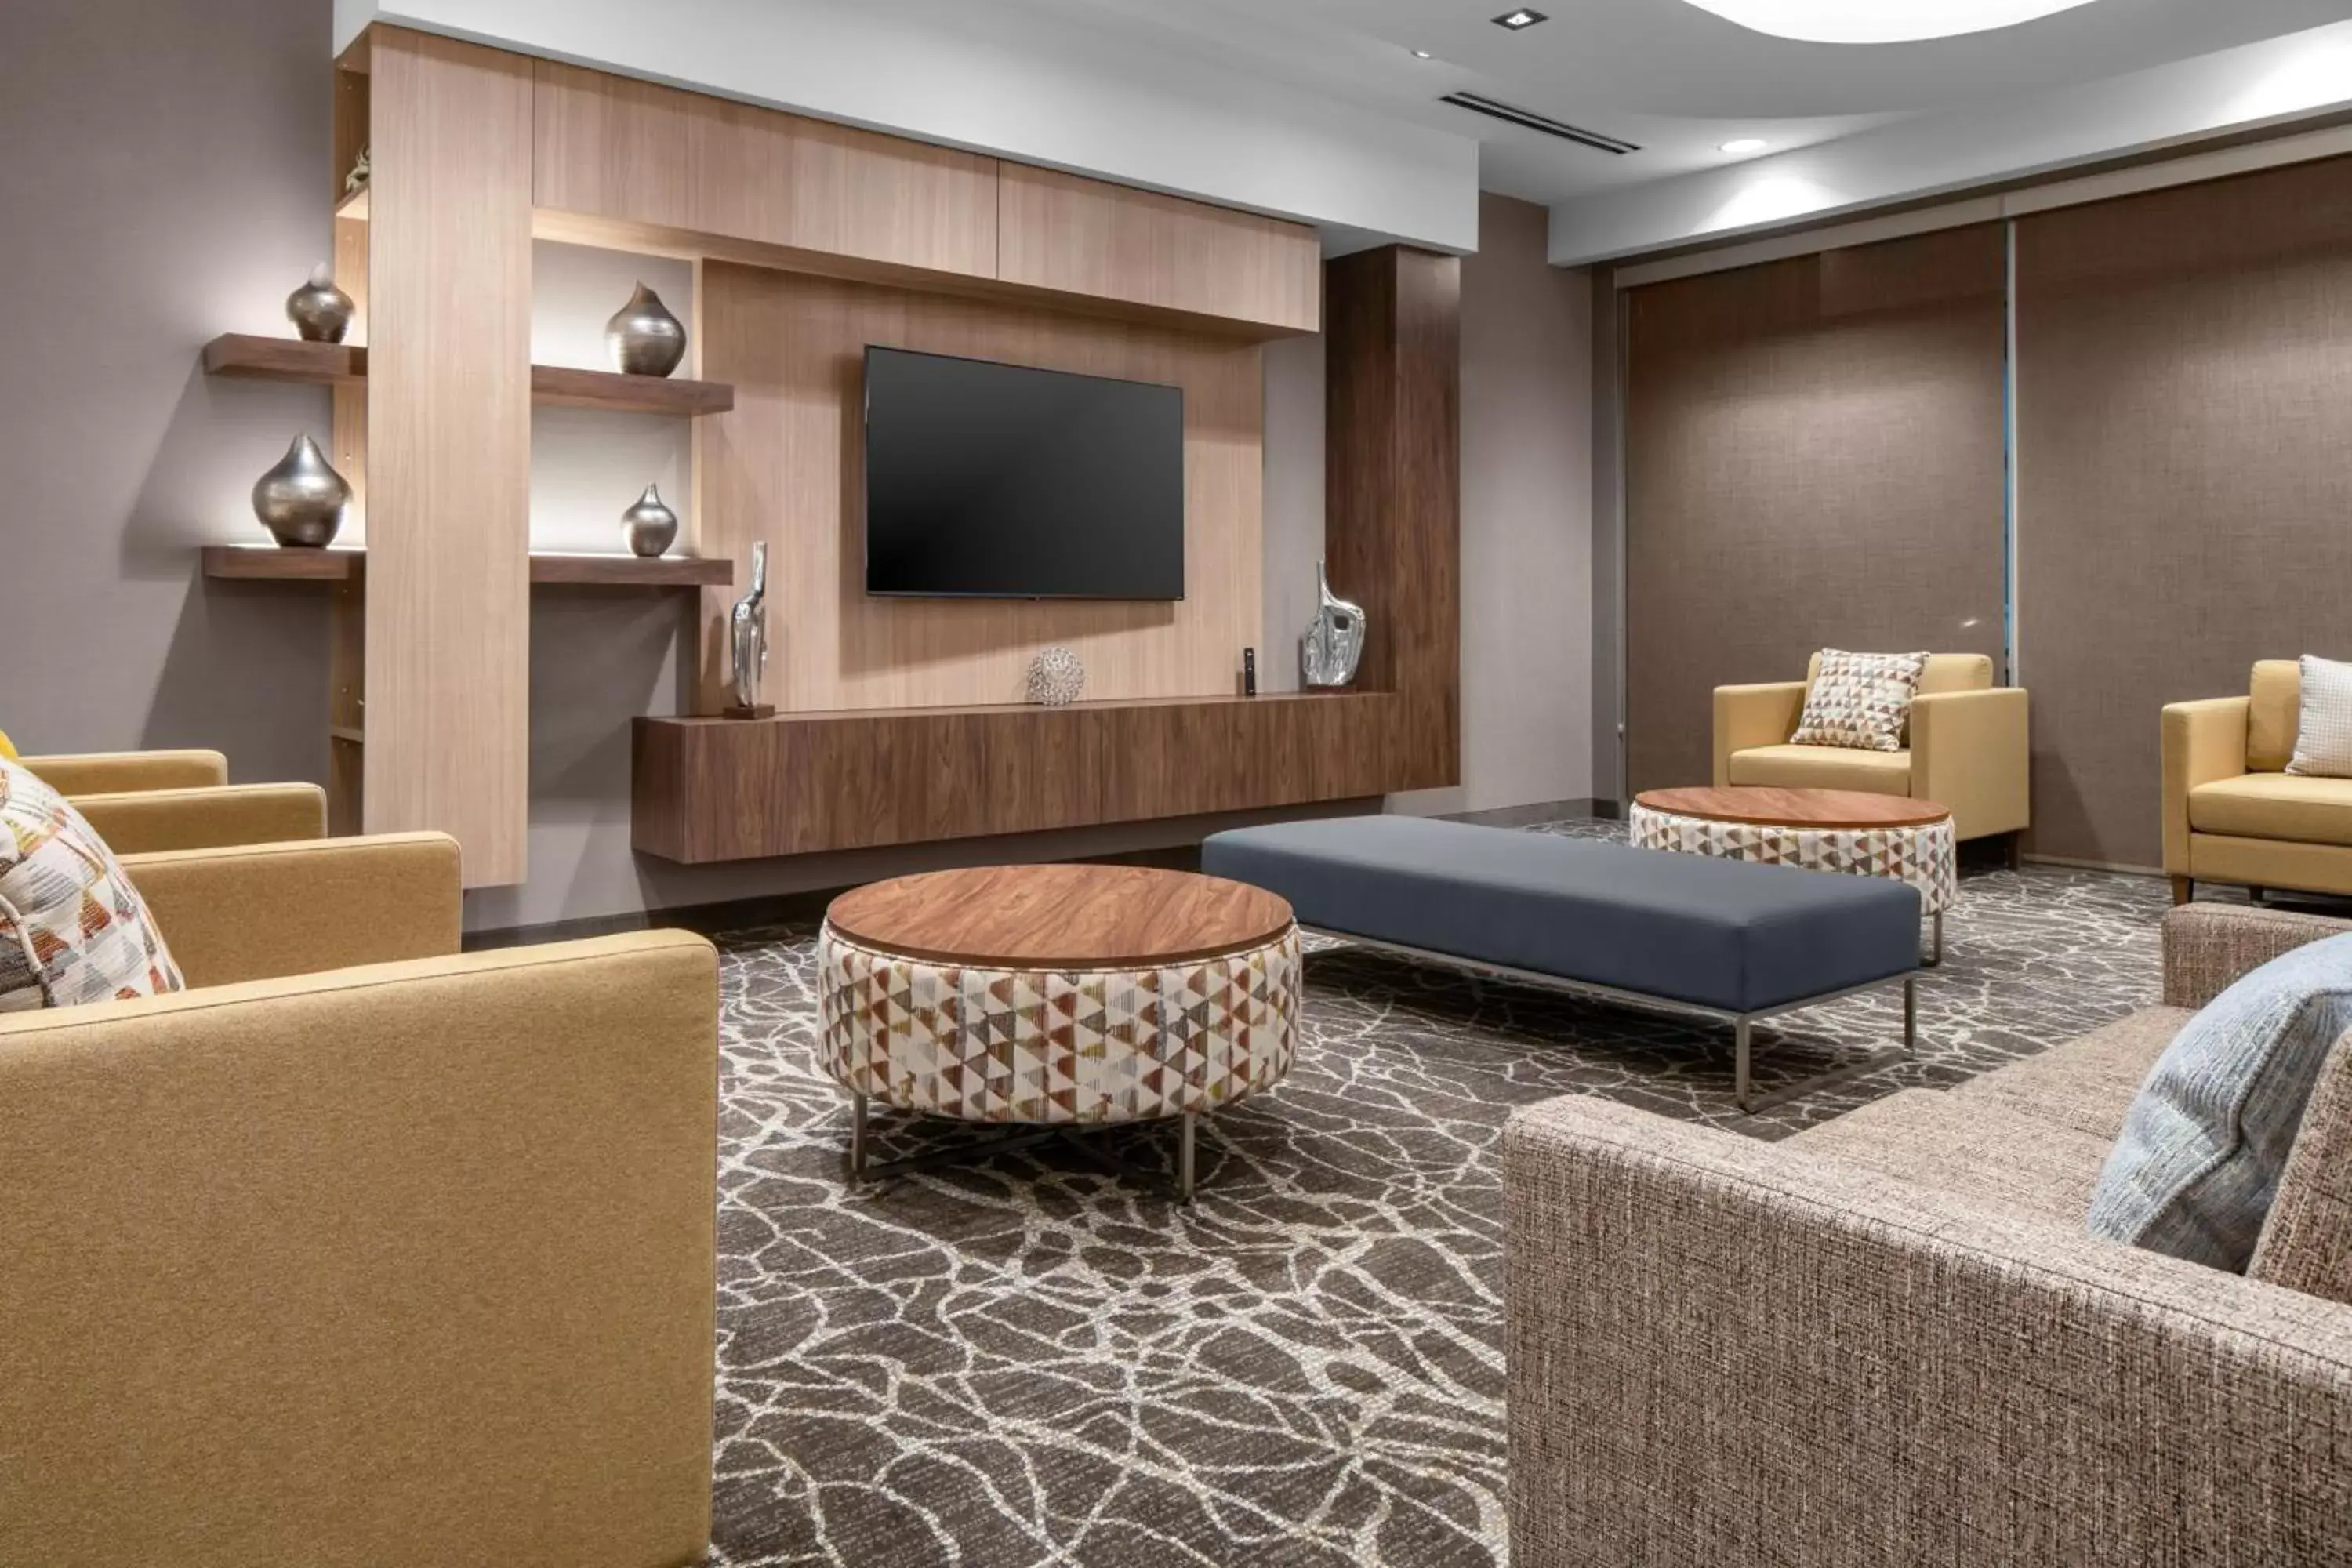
(301,500)
(649,526)
(1055,678)
(642,337)
(321,313)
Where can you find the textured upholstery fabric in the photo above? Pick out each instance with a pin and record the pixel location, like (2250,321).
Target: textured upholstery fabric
(119,773)
(1859,700)
(1823,767)
(145,821)
(2085,1084)
(404,1264)
(2274,709)
(262,911)
(73,929)
(1715,933)
(1983,1149)
(1723,1351)
(2205,1143)
(2306,1242)
(1944,672)
(2271,863)
(2207,948)
(2275,805)
(2323,735)
(2203,741)
(1749,718)
(1970,752)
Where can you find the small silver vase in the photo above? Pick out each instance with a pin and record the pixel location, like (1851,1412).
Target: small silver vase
(1334,643)
(321,313)
(642,337)
(301,500)
(649,526)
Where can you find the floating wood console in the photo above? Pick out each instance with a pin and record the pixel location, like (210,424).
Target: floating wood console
(721,789)
(560,386)
(269,563)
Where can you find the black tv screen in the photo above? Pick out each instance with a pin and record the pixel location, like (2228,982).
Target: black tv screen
(987,481)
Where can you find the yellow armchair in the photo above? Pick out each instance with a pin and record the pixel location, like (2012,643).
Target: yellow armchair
(400,1263)
(2231,811)
(1968,747)
(140,801)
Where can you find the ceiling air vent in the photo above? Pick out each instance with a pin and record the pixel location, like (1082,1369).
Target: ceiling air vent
(1514,115)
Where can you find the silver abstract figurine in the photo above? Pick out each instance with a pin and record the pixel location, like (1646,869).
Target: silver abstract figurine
(1055,678)
(301,499)
(1334,643)
(642,337)
(748,633)
(649,526)
(321,313)
(357,180)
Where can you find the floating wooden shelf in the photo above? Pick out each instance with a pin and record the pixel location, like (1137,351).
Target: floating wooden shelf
(560,386)
(273,564)
(722,789)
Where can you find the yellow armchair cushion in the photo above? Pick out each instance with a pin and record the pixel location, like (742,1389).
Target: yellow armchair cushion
(145,822)
(2275,805)
(1942,672)
(2273,714)
(1823,767)
(8,747)
(118,773)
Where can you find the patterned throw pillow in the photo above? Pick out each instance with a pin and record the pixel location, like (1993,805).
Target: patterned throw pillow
(1860,700)
(2323,732)
(72,927)
(2205,1143)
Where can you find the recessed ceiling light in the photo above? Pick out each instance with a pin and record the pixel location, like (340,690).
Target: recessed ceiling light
(1739,145)
(1880,21)
(1516,20)
(1421,54)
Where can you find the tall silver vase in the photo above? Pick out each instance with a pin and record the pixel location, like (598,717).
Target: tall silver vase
(747,626)
(321,313)
(301,499)
(642,337)
(1334,643)
(649,526)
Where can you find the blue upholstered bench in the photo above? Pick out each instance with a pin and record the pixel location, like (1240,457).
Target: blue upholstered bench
(1724,939)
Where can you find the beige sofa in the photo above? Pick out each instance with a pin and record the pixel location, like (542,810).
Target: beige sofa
(2231,811)
(1889,1339)
(1968,745)
(140,801)
(363,1250)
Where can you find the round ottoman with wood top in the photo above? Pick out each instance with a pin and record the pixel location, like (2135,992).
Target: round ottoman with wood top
(1859,834)
(1056,997)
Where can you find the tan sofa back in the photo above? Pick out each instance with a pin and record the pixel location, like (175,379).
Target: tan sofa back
(1944,672)
(404,1264)
(2273,715)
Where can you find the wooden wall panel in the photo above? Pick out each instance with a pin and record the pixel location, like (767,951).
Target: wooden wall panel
(1814,457)
(2185,416)
(631,151)
(714,789)
(1088,236)
(448,664)
(1392,490)
(787,466)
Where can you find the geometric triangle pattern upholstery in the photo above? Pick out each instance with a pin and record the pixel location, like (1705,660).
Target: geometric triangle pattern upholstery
(1925,855)
(1057,1046)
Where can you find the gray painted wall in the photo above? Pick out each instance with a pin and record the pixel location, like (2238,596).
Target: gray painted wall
(164,181)
(163,178)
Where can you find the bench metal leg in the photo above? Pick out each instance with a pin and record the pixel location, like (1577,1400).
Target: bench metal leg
(1911,1014)
(1742,1029)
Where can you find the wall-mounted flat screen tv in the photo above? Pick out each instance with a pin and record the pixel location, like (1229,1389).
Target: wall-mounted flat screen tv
(998,481)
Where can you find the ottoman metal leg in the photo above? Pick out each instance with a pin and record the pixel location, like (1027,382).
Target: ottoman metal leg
(1935,941)
(857,1137)
(1184,1159)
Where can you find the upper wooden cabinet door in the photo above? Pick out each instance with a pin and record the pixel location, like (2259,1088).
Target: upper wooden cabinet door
(617,148)
(1088,236)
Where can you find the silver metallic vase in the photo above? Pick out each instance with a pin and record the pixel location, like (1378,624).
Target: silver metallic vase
(747,626)
(642,337)
(649,526)
(301,500)
(1334,643)
(321,313)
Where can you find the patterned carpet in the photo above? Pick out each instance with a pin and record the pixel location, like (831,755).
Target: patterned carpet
(1032,1360)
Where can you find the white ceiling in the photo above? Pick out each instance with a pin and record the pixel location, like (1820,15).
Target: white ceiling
(1670,76)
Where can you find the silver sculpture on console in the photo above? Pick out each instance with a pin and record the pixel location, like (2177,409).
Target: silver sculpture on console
(1055,678)
(642,337)
(301,499)
(321,313)
(747,627)
(1334,643)
(649,526)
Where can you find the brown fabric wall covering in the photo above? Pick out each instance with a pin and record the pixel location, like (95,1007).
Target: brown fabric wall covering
(1815,458)
(2185,458)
